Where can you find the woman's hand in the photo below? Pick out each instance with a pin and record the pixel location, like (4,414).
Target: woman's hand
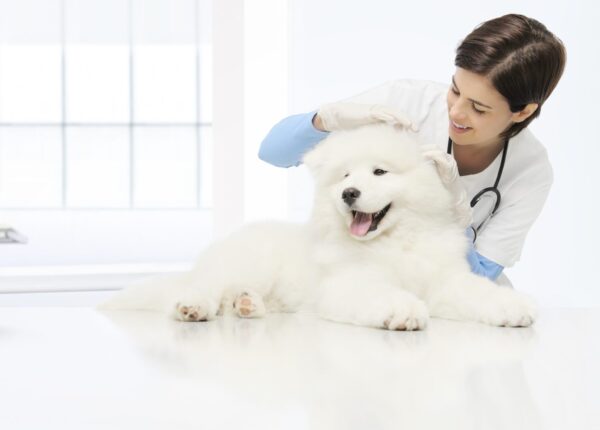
(448,171)
(344,116)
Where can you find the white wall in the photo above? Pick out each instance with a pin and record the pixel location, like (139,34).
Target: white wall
(339,48)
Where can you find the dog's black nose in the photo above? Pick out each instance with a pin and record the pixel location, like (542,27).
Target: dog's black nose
(349,195)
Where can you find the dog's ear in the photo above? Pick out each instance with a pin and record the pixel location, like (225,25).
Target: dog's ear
(315,159)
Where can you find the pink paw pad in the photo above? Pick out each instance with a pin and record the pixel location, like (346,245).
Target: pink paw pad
(249,305)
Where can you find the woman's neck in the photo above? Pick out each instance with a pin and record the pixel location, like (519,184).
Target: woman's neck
(472,159)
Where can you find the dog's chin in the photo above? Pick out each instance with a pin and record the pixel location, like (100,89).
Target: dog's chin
(365,226)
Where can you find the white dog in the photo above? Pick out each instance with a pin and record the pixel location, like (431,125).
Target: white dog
(382,249)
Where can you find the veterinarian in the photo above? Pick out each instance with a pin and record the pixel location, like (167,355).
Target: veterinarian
(505,70)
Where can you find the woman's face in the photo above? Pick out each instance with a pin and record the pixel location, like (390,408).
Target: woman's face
(478,112)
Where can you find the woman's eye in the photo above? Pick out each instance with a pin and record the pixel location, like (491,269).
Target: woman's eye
(478,111)
(454,90)
(379,172)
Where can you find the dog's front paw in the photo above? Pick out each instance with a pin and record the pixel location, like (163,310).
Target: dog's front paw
(192,313)
(511,310)
(407,315)
(249,305)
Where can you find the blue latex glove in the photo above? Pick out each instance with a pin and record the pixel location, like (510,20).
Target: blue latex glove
(479,264)
(290,139)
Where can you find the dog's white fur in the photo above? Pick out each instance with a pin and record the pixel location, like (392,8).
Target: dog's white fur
(412,266)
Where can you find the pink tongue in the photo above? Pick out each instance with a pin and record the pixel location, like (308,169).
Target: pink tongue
(360,224)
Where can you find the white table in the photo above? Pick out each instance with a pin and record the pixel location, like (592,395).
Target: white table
(77,368)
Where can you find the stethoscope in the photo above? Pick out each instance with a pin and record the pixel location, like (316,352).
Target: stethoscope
(492,191)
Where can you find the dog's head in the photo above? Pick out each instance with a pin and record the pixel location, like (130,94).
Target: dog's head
(372,179)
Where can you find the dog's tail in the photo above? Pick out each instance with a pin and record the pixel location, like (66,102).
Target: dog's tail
(151,295)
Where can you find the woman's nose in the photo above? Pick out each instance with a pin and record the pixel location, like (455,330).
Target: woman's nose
(456,111)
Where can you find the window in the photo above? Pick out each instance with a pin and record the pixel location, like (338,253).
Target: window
(105,130)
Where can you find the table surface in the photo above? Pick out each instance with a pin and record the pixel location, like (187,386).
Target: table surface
(64,368)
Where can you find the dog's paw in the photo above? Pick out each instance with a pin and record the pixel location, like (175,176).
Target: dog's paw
(249,305)
(511,310)
(193,313)
(407,316)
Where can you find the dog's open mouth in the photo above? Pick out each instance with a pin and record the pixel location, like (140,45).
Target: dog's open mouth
(362,222)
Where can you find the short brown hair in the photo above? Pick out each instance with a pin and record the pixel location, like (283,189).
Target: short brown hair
(522,59)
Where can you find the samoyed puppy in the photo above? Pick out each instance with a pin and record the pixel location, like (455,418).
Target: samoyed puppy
(382,249)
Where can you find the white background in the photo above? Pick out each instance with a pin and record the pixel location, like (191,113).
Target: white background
(300,54)
(340,48)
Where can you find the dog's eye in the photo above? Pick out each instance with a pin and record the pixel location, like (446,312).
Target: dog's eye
(346,175)
(379,172)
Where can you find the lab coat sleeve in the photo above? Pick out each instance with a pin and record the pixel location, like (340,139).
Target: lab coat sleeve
(293,136)
(418,100)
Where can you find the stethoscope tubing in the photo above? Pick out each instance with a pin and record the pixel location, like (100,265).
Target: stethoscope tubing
(494,189)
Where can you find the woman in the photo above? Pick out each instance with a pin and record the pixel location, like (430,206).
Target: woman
(505,70)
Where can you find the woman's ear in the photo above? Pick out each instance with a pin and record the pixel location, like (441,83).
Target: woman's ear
(525,113)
